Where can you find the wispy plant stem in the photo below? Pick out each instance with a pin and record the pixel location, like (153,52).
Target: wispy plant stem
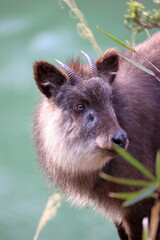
(82,26)
(50,211)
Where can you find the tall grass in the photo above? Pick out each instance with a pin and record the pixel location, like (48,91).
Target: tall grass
(54,202)
(82,26)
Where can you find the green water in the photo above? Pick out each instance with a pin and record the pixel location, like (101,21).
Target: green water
(29,31)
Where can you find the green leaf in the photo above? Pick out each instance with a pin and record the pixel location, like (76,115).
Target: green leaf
(117,40)
(124,195)
(140,195)
(134,162)
(139,65)
(158,166)
(130,182)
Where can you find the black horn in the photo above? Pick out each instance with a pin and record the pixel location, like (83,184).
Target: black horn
(92,65)
(74,79)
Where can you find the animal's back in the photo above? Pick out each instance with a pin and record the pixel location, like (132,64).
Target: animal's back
(137,98)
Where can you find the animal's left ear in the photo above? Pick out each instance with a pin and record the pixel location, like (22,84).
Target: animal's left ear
(108,64)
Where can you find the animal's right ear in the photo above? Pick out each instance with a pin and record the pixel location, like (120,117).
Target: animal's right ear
(48,78)
(108,64)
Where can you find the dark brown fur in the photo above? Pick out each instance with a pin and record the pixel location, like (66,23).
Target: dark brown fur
(136,99)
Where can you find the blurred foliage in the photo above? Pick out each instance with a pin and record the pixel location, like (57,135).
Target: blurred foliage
(138,19)
(149,188)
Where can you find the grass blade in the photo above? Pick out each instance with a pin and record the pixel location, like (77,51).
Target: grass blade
(119,195)
(125,181)
(157,170)
(139,65)
(140,195)
(133,50)
(117,40)
(145,233)
(134,162)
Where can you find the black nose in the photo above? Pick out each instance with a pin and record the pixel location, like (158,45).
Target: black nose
(120,139)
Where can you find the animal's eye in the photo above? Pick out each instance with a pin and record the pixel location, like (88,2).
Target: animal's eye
(79,107)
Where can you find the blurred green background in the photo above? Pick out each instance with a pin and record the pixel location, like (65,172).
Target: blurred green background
(42,30)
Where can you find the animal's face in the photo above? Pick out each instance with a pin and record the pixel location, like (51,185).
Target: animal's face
(77,122)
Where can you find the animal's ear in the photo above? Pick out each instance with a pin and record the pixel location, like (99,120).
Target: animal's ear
(108,63)
(48,78)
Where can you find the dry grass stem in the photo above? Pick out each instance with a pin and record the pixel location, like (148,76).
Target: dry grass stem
(150,64)
(82,26)
(147,32)
(154,223)
(50,211)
